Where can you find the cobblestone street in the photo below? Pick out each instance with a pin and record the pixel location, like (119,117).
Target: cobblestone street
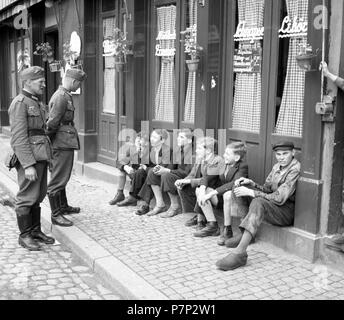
(51,274)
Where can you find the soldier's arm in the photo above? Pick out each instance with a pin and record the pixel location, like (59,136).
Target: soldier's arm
(19,139)
(57,110)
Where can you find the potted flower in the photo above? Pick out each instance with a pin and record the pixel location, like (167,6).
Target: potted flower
(191,47)
(70,56)
(118,47)
(45,50)
(305,57)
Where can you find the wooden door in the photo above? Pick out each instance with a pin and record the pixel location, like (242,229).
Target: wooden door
(53,78)
(112,89)
(259,106)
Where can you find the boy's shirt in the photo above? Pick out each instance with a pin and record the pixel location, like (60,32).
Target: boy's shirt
(183,159)
(211,167)
(280,185)
(231,173)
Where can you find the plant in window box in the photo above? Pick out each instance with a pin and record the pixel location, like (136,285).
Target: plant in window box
(45,50)
(191,47)
(119,47)
(305,57)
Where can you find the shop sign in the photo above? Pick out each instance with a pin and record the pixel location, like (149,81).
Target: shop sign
(244,33)
(248,58)
(296,27)
(165,52)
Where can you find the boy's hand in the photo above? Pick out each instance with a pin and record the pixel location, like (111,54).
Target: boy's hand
(129,170)
(181,183)
(162,170)
(244,192)
(243,182)
(143,166)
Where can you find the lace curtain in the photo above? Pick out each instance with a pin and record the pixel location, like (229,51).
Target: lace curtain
(109,96)
(190,99)
(248,86)
(290,117)
(165,95)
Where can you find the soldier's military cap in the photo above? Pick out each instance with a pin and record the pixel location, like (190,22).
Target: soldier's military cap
(283,145)
(32,73)
(76,74)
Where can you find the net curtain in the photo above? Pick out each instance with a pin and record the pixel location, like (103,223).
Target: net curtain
(290,118)
(190,99)
(247,96)
(109,96)
(165,95)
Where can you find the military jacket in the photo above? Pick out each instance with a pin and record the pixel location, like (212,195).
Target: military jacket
(28,139)
(61,130)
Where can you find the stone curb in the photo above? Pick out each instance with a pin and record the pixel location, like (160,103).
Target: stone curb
(118,275)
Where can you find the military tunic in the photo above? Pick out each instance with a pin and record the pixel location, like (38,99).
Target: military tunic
(32,147)
(64,137)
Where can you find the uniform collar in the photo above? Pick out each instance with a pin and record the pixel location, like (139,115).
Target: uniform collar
(65,90)
(30,95)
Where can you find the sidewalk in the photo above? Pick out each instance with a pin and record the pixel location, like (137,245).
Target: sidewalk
(155,258)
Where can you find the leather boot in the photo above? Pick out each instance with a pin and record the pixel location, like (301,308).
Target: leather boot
(118,198)
(56,213)
(67,209)
(227,233)
(25,224)
(211,230)
(36,231)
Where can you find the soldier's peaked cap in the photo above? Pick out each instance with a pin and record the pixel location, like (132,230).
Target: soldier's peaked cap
(32,73)
(76,74)
(283,145)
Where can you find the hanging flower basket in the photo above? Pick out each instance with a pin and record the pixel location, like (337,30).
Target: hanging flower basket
(305,61)
(119,66)
(55,66)
(192,64)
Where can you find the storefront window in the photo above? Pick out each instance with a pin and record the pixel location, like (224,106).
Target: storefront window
(290,110)
(165,63)
(247,66)
(109,96)
(190,99)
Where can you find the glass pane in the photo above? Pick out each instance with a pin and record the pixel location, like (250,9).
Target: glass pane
(108,5)
(247,65)
(109,96)
(165,63)
(190,90)
(291,78)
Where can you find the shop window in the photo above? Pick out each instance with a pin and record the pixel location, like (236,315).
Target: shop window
(248,78)
(290,111)
(124,76)
(190,98)
(109,77)
(165,63)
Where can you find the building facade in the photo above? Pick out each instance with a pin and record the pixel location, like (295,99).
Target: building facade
(248,85)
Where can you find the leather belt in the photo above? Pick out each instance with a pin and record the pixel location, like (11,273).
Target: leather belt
(36,132)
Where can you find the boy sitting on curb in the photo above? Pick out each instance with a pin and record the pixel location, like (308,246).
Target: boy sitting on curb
(207,163)
(274,201)
(235,168)
(129,165)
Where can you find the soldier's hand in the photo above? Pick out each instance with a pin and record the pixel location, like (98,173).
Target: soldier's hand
(31,173)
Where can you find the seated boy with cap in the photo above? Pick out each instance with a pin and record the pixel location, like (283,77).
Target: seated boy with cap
(274,202)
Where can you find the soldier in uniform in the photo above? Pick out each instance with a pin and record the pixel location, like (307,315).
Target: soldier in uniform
(65,140)
(32,147)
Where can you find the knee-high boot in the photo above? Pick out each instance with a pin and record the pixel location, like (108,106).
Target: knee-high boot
(56,212)
(67,209)
(24,220)
(36,231)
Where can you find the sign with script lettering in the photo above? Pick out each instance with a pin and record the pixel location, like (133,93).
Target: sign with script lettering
(296,27)
(160,49)
(244,33)
(248,58)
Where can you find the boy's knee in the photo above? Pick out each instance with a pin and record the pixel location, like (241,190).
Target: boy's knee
(227,196)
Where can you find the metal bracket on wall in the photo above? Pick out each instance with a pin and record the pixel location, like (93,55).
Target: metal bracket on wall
(326,108)
(128,14)
(201,3)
